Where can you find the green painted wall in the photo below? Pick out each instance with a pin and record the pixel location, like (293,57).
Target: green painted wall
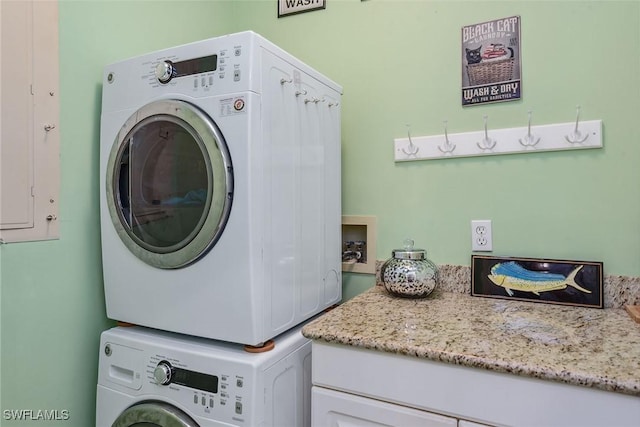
(399,63)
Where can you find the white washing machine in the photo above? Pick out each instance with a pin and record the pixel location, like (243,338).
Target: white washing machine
(160,379)
(220,190)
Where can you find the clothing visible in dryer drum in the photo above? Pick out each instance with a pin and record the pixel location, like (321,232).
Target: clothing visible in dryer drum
(171,177)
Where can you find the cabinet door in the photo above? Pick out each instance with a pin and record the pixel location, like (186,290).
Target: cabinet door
(16,161)
(335,409)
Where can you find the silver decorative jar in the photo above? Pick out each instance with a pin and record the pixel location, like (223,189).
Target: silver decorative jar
(408,273)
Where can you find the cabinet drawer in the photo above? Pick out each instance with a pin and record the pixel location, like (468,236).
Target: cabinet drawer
(336,409)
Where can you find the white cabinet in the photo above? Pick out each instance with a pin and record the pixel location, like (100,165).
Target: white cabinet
(336,409)
(473,396)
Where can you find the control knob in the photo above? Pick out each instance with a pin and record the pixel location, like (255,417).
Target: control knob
(163,373)
(165,71)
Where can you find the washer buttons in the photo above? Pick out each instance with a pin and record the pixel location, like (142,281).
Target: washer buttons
(239,382)
(237,52)
(236,75)
(238,408)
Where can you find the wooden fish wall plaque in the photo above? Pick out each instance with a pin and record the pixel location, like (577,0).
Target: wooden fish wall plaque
(538,280)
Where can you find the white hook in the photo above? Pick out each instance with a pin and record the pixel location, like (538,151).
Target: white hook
(576,136)
(448,147)
(487,143)
(529,139)
(413,149)
(283,81)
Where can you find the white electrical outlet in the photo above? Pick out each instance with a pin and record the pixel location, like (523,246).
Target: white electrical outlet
(481,235)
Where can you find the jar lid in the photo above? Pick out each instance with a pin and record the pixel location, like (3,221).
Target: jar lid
(408,252)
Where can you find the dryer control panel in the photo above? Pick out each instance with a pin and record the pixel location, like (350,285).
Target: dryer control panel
(167,69)
(196,73)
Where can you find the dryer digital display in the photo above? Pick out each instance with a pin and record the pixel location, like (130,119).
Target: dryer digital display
(196,65)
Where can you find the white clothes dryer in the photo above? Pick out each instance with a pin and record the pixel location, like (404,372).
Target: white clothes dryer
(160,379)
(220,190)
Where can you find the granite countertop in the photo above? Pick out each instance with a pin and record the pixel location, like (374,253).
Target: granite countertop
(597,348)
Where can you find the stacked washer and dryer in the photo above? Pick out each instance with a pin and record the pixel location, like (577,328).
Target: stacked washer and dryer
(220,220)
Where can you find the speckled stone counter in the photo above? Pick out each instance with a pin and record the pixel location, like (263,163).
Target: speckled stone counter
(581,346)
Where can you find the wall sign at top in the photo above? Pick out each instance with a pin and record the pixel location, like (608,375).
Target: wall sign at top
(491,67)
(290,7)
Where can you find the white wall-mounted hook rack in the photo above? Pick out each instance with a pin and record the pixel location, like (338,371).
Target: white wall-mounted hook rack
(551,137)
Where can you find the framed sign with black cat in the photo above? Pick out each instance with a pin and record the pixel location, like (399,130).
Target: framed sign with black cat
(491,66)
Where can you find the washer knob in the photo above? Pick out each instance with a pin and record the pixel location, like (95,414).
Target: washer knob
(165,71)
(162,373)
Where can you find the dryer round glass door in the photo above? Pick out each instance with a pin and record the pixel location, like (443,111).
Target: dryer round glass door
(153,414)
(169,184)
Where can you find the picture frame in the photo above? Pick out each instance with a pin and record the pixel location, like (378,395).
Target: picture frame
(491,62)
(293,7)
(551,281)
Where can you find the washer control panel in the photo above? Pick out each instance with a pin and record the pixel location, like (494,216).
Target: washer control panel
(166,374)
(222,396)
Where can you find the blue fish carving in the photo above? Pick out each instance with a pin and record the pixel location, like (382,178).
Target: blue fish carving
(512,276)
